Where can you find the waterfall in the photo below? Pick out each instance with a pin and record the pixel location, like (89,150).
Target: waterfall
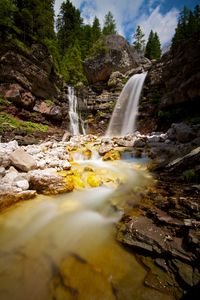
(126,109)
(76,123)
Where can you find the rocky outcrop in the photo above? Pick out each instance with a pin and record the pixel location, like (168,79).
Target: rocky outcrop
(29,82)
(171,92)
(33,70)
(115,54)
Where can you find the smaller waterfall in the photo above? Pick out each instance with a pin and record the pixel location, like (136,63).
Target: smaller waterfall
(76,123)
(126,109)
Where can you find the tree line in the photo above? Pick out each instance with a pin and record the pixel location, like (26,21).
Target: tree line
(73,41)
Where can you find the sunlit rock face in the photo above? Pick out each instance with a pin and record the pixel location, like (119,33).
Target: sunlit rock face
(116,55)
(171,90)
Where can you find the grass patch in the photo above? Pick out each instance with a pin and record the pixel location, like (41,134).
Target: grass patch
(49,102)
(8,122)
(22,46)
(4,102)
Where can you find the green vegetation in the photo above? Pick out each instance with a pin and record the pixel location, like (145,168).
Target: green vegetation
(8,122)
(109,24)
(4,102)
(98,48)
(188,25)
(139,41)
(153,47)
(189,175)
(49,102)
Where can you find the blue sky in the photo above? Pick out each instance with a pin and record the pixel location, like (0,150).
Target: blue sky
(160,16)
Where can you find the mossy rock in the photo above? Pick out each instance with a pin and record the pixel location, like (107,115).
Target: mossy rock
(112,155)
(93,180)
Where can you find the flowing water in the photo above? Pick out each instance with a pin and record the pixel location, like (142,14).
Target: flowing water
(63,247)
(76,123)
(126,109)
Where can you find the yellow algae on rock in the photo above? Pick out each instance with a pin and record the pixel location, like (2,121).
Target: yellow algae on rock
(78,182)
(93,180)
(112,155)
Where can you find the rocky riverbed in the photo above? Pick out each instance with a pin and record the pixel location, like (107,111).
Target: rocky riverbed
(163,229)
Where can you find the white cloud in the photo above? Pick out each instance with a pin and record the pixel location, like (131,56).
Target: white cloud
(126,15)
(163,24)
(124,11)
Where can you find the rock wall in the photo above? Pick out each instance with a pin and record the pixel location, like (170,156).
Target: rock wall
(29,81)
(114,54)
(171,90)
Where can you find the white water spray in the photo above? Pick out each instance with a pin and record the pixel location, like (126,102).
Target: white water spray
(76,123)
(126,109)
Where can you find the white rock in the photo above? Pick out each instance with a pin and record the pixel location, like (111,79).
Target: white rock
(41,164)
(22,160)
(65,165)
(2,171)
(23,184)
(11,175)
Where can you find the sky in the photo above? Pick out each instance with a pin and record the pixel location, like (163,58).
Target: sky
(160,16)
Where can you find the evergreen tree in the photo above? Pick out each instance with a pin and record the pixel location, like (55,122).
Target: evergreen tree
(85,40)
(157,47)
(68,25)
(7,10)
(139,40)
(109,24)
(149,45)
(72,68)
(35,18)
(188,25)
(153,47)
(96,30)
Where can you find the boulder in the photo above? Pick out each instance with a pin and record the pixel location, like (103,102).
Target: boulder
(49,110)
(103,149)
(116,80)
(141,232)
(187,162)
(12,92)
(115,55)
(22,160)
(10,196)
(183,132)
(48,183)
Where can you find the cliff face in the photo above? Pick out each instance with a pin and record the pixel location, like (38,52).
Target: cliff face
(114,54)
(36,93)
(171,91)
(28,80)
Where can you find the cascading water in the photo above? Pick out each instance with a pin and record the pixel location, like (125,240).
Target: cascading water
(126,109)
(63,247)
(76,123)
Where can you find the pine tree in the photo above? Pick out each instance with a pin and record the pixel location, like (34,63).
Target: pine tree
(139,39)
(153,47)
(35,18)
(72,68)
(157,47)
(85,40)
(109,24)
(68,25)
(7,10)
(149,46)
(96,30)
(188,25)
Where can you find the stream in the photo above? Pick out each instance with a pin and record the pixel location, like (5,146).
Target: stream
(63,247)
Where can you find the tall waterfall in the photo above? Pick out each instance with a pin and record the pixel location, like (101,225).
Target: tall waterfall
(126,109)
(76,123)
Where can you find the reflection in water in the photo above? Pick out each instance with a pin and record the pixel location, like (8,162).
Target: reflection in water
(63,247)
